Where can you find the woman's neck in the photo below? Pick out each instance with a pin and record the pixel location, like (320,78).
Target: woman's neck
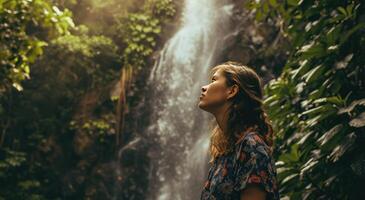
(221,117)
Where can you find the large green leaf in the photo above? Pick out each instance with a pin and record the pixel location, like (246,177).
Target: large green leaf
(358,121)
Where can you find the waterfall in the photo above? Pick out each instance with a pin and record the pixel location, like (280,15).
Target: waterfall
(179,130)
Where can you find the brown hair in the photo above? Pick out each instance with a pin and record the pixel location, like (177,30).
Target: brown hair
(246,113)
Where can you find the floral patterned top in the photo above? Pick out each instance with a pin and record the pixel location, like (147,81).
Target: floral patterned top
(250,163)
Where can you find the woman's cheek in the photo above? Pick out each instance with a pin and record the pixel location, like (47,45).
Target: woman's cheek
(216,99)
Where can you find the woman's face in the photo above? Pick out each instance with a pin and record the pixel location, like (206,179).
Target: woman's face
(214,95)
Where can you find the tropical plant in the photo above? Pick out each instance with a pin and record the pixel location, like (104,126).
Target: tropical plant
(317,105)
(24,28)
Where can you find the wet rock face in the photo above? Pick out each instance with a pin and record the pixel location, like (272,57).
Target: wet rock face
(240,54)
(258,45)
(101,185)
(83,143)
(95,184)
(132,170)
(123,178)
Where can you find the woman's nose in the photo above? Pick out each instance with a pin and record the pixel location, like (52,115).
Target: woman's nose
(204,88)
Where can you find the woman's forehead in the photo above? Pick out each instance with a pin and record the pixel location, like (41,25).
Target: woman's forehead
(216,72)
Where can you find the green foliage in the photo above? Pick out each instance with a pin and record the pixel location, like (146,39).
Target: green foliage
(12,159)
(163,9)
(317,104)
(37,119)
(142,29)
(99,128)
(56,116)
(93,59)
(20,43)
(9,164)
(141,38)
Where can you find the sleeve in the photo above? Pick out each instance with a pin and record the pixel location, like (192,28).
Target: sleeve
(254,166)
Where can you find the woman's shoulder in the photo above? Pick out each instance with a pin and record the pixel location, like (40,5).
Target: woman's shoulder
(251,137)
(252,142)
(254,164)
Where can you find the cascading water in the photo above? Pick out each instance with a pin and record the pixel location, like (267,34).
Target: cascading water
(179,130)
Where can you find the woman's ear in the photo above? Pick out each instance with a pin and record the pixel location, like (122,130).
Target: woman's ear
(233,90)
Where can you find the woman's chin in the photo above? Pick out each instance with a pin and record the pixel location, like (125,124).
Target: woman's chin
(202,106)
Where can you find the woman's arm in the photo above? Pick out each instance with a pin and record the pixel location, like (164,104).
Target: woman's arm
(253,193)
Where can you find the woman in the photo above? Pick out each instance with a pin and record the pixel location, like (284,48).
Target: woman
(242,166)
